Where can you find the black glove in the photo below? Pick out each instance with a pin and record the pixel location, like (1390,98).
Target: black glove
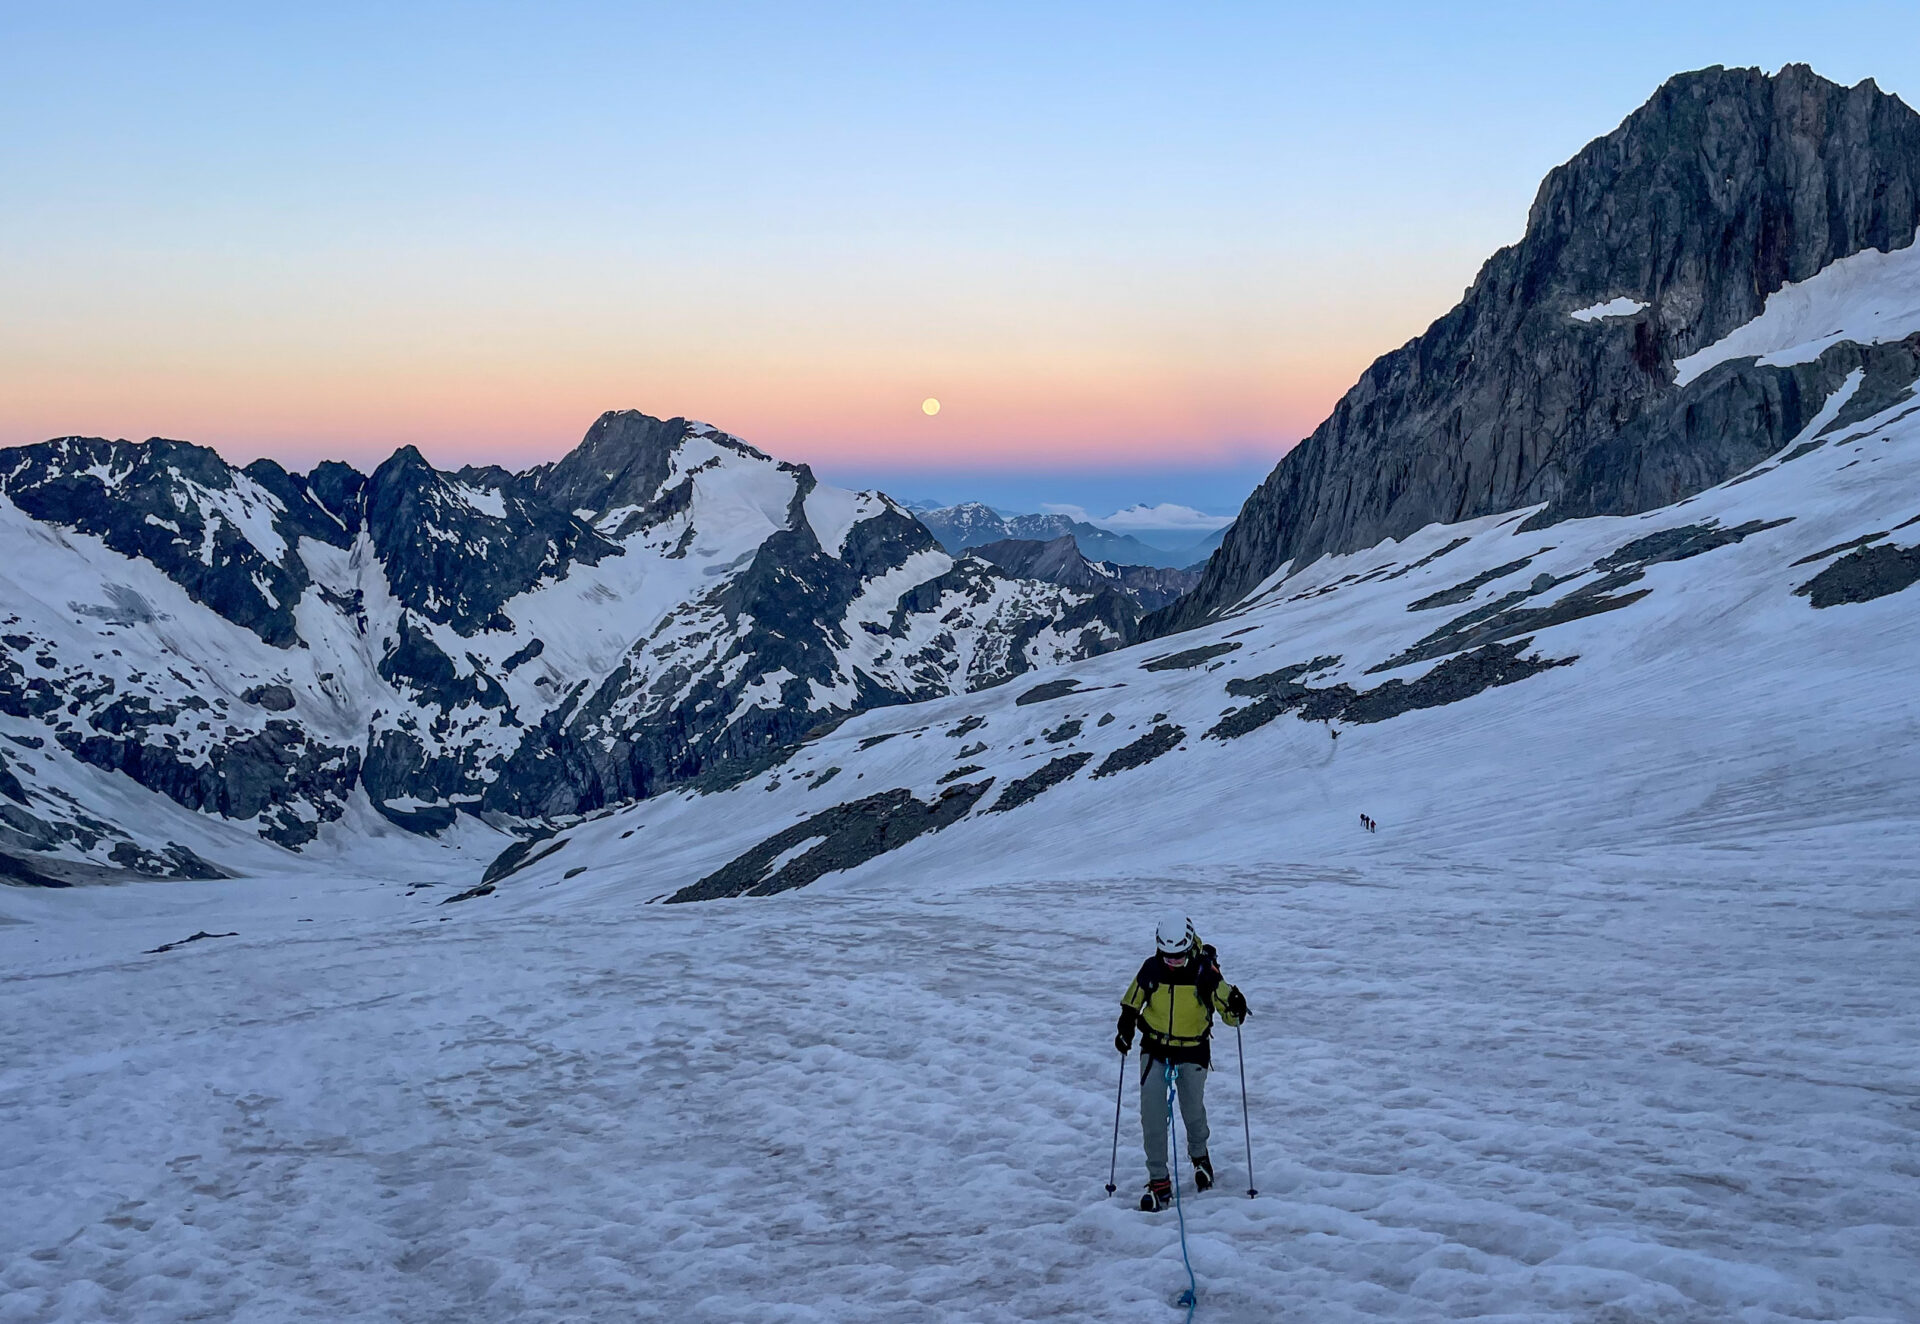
(1124,1042)
(1237,1004)
(1123,1036)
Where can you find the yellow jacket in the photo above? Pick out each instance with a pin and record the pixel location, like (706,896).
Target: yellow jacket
(1174,1008)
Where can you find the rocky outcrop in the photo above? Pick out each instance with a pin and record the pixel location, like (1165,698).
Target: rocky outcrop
(845,836)
(1862,576)
(1553,383)
(456,547)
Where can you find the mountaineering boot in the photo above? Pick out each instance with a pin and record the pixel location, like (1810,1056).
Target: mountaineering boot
(1202,1172)
(1159,1195)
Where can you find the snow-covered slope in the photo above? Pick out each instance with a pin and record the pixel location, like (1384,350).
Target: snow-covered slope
(1613,1018)
(1705,673)
(665,603)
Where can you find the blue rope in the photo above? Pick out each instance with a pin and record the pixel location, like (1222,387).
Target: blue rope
(1191,1297)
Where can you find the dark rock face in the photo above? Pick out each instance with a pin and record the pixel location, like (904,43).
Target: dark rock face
(624,461)
(275,774)
(1725,186)
(456,563)
(1060,562)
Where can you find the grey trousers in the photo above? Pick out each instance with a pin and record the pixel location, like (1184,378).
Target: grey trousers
(1190,1084)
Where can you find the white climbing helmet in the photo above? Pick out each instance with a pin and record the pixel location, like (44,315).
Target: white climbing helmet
(1175,933)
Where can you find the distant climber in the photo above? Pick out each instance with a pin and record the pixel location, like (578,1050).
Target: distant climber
(1334,731)
(1173,1000)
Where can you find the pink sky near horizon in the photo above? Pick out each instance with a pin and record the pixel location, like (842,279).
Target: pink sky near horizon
(503,390)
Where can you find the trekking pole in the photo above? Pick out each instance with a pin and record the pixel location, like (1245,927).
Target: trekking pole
(1114,1166)
(1245,1126)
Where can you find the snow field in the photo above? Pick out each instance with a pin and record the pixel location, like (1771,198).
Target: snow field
(1586,1093)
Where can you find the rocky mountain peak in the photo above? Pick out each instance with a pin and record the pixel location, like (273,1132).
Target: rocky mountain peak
(1552,382)
(1724,186)
(624,459)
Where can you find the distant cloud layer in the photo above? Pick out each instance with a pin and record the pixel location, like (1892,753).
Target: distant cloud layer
(1162,518)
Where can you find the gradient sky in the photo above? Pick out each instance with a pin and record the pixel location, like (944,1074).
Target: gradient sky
(1135,250)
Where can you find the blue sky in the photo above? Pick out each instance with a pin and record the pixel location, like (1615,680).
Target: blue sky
(1135,250)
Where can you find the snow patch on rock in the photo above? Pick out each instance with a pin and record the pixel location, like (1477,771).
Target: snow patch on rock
(1870,298)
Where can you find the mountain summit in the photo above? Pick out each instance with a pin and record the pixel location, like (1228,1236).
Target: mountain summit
(1553,382)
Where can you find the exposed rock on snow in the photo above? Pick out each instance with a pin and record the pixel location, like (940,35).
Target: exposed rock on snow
(1026,788)
(1506,616)
(1053,689)
(274,698)
(1190,658)
(846,835)
(1862,576)
(193,937)
(1141,752)
(1466,588)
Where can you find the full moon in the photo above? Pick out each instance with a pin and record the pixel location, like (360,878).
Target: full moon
(929,407)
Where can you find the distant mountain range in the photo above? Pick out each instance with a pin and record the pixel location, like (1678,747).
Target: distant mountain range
(1061,562)
(974,524)
(663,605)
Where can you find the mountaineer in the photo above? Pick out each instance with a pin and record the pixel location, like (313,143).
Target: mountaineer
(1172,1001)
